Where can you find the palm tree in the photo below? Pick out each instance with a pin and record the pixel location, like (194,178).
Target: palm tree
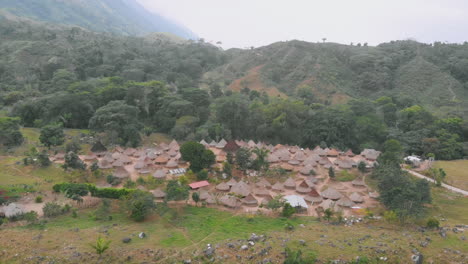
(101,246)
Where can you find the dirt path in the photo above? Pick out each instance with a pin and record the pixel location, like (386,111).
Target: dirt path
(451,91)
(446,186)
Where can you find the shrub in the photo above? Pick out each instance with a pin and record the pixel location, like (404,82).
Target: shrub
(139,204)
(52,210)
(38,199)
(74,213)
(202,175)
(130,184)
(111,193)
(288,210)
(432,223)
(390,216)
(296,257)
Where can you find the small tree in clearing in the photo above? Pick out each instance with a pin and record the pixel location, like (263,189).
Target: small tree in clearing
(327,214)
(196,197)
(288,210)
(331,172)
(101,246)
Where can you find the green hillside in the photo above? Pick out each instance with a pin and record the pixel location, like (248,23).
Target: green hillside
(118,16)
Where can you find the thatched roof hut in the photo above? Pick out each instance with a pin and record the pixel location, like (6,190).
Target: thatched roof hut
(145,170)
(250,200)
(139,153)
(356,197)
(374,195)
(251,144)
(204,195)
(172,152)
(108,157)
(117,163)
(221,144)
(359,182)
(241,188)
(172,164)
(287,167)
(370,154)
(231,146)
(104,164)
(174,145)
(139,165)
(161,159)
(328,204)
(306,169)
(116,155)
(230,201)
(290,183)
(344,163)
(345,202)
(89,157)
(294,162)
(211,200)
(333,153)
(158,193)
(224,187)
(278,187)
(231,182)
(332,194)
(303,187)
(261,192)
(213,144)
(204,143)
(313,197)
(311,181)
(125,159)
(160,174)
(263,183)
(300,156)
(121,172)
(350,153)
(283,155)
(272,158)
(266,199)
(98,147)
(129,151)
(319,151)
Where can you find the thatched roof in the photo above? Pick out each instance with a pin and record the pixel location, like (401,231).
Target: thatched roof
(159,174)
(263,183)
(345,202)
(294,149)
(333,153)
(145,170)
(231,182)
(89,157)
(332,194)
(108,157)
(272,158)
(121,172)
(344,163)
(311,181)
(290,183)
(213,143)
(324,161)
(98,147)
(303,187)
(374,195)
(161,159)
(139,153)
(313,196)
(261,192)
(306,169)
(300,156)
(139,165)
(231,146)
(158,193)
(356,197)
(172,152)
(125,159)
(370,154)
(294,162)
(241,188)
(116,155)
(174,145)
(319,151)
(172,164)
(278,186)
(250,200)
(230,201)
(204,195)
(283,155)
(211,199)
(328,204)
(117,163)
(358,182)
(287,167)
(129,151)
(204,143)
(350,153)
(104,164)
(221,144)
(222,187)
(266,199)
(251,144)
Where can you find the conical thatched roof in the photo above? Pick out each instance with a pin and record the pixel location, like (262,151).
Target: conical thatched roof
(104,164)
(300,156)
(211,200)
(161,159)
(213,143)
(204,195)
(231,182)
(129,151)
(283,155)
(98,147)
(222,187)
(108,157)
(89,157)
(174,145)
(311,181)
(278,186)
(117,163)
(172,152)
(139,165)
(263,183)
(350,153)
(333,153)
(159,174)
(266,199)
(158,193)
(303,187)
(204,143)
(290,183)
(221,144)
(250,200)
(358,182)
(230,201)
(251,144)
(121,172)
(332,194)
(231,146)
(356,197)
(374,195)
(116,155)
(286,166)
(241,188)
(345,202)
(294,162)
(319,151)
(145,170)
(324,161)
(261,192)
(313,196)
(306,169)
(328,204)
(125,159)
(172,164)
(139,153)
(272,158)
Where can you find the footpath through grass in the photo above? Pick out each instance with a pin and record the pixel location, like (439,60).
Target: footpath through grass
(457,172)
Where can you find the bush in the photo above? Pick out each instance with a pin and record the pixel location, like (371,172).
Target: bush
(432,223)
(139,204)
(202,175)
(111,193)
(296,257)
(113,180)
(390,216)
(52,210)
(288,210)
(38,199)
(130,184)
(30,217)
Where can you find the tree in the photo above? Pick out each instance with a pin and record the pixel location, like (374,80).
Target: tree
(176,191)
(52,135)
(331,173)
(260,162)
(296,257)
(392,152)
(328,213)
(227,168)
(139,204)
(73,146)
(73,161)
(119,118)
(276,203)
(101,246)
(196,197)
(362,166)
(243,158)
(9,129)
(288,210)
(202,175)
(199,157)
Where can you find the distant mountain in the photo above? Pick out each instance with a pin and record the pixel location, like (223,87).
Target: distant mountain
(125,17)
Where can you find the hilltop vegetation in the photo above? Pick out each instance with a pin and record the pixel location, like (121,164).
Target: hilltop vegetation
(329,94)
(125,17)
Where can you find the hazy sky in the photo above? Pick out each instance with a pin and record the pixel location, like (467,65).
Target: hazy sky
(244,23)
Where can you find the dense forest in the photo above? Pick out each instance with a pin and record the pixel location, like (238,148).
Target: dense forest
(327,94)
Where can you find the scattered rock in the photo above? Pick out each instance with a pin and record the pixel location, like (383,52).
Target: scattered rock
(126,240)
(424,243)
(417,258)
(209,251)
(188,261)
(142,235)
(254,238)
(244,247)
(251,243)
(302,242)
(442,233)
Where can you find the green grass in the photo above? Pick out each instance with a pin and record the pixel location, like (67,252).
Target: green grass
(450,206)
(457,172)
(345,176)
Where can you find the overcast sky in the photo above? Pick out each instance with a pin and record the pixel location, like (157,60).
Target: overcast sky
(245,23)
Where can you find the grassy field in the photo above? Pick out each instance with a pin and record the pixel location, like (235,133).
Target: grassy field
(457,172)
